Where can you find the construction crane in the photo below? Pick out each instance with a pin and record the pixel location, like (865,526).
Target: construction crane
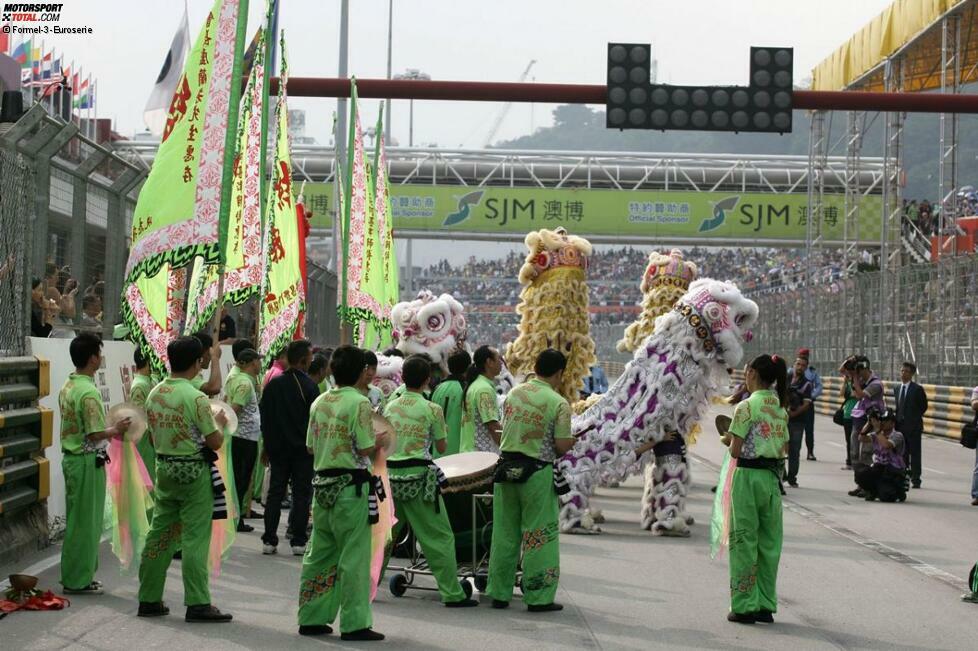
(505,109)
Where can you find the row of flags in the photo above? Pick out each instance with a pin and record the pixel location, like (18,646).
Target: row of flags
(216,223)
(49,72)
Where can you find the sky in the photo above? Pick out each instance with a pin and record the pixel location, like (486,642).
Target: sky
(694,41)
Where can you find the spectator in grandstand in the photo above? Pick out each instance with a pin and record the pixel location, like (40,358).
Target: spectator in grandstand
(43,310)
(61,288)
(811,374)
(910,400)
(91,318)
(884,479)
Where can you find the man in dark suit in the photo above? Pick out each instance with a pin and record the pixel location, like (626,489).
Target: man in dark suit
(911,405)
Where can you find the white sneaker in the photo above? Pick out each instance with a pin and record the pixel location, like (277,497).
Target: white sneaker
(298,551)
(269,549)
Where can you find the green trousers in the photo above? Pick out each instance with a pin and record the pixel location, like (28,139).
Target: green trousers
(336,568)
(148,454)
(434,532)
(525,515)
(755,541)
(181,520)
(85,512)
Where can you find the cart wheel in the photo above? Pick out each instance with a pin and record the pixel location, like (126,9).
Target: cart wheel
(398,585)
(481,582)
(466,588)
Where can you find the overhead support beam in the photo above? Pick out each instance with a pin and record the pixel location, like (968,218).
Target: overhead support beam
(484,91)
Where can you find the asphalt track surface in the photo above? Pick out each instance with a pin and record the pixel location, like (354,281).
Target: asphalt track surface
(854,575)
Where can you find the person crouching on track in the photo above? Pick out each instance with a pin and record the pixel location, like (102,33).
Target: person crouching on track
(885,480)
(536,431)
(420,426)
(336,568)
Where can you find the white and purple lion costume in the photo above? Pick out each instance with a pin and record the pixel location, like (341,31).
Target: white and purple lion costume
(666,388)
(433,325)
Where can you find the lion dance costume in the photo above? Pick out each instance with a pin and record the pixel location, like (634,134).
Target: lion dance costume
(666,279)
(665,388)
(553,307)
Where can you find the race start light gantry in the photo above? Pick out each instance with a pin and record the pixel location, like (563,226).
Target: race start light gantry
(763,106)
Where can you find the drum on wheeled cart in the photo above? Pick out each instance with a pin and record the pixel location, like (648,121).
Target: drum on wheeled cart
(468,503)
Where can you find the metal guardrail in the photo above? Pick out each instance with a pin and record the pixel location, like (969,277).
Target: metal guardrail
(25,431)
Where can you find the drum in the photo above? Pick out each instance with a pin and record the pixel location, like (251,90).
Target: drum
(468,474)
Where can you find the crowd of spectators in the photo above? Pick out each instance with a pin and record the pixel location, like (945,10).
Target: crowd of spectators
(490,291)
(59,307)
(926,216)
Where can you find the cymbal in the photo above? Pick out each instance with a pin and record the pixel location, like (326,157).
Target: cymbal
(220,405)
(136,416)
(722,423)
(382,425)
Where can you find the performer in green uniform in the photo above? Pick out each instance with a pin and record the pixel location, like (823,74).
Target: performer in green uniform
(481,427)
(210,358)
(536,431)
(336,568)
(420,426)
(142,383)
(83,436)
(449,396)
(759,444)
(185,435)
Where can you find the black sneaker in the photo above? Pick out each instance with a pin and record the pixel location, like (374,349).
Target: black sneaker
(499,605)
(811,457)
(206,613)
(915,484)
(151,609)
(544,608)
(464,603)
(740,618)
(255,515)
(793,483)
(324,629)
(363,635)
(764,617)
(244,527)
(92,588)
(857,492)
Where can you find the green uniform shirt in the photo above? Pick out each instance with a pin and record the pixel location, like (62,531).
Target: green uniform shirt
(763,424)
(339,426)
(418,424)
(241,390)
(140,388)
(448,396)
(534,416)
(179,417)
(481,408)
(198,381)
(82,414)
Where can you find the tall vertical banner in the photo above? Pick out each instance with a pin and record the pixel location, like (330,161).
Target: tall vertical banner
(182,208)
(282,293)
(385,228)
(242,246)
(359,303)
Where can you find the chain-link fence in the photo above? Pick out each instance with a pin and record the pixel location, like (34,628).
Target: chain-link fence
(16,202)
(933,321)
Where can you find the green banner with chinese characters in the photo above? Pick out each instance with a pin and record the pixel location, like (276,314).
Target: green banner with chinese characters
(742,216)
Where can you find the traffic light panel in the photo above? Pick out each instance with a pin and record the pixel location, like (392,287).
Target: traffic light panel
(763,106)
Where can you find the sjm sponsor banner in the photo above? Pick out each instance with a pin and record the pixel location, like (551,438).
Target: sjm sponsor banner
(734,215)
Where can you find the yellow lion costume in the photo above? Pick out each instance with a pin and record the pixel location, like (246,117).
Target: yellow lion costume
(553,307)
(666,279)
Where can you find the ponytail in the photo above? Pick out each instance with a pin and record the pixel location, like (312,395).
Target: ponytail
(773,370)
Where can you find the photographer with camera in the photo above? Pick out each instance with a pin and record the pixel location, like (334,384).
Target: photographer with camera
(844,416)
(885,478)
(868,390)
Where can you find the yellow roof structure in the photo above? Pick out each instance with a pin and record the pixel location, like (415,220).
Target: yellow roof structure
(910,29)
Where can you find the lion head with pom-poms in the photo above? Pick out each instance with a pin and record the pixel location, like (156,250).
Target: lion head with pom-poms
(553,307)
(666,279)
(429,324)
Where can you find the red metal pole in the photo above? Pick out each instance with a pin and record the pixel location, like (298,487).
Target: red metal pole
(482,91)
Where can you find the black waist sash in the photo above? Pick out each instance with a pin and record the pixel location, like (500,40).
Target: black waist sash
(517,468)
(359,477)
